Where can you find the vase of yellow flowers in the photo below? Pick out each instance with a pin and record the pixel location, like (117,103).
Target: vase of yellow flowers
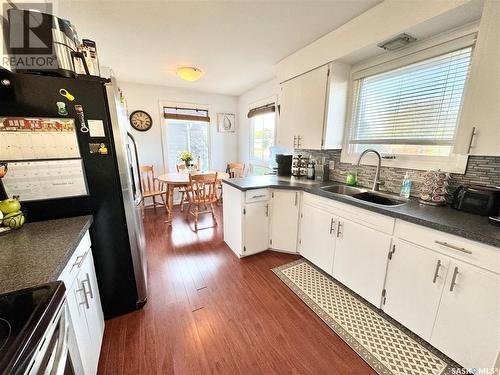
(187,158)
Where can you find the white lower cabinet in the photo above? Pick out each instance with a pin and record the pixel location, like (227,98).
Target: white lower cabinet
(467,326)
(317,240)
(284,220)
(414,285)
(76,308)
(360,261)
(93,311)
(256,227)
(444,288)
(84,306)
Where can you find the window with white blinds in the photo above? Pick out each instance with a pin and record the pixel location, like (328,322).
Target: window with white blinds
(411,110)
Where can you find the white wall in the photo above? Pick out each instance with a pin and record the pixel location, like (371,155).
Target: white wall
(223,146)
(245,101)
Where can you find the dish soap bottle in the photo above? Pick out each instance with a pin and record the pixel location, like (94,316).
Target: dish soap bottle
(406,186)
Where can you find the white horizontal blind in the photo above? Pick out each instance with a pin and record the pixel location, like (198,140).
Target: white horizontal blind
(418,104)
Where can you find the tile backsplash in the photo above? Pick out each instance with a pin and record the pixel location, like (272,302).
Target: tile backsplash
(483,170)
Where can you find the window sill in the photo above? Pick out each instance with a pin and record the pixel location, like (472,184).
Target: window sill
(453,164)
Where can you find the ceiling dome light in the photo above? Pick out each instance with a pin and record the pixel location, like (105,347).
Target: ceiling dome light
(189,73)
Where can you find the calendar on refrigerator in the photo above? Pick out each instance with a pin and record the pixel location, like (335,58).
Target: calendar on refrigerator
(25,138)
(43,157)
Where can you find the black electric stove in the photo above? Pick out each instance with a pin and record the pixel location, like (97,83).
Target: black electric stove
(24,318)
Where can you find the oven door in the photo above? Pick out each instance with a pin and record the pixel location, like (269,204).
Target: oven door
(52,356)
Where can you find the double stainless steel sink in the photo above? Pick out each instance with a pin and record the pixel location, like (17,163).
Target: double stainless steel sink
(370,196)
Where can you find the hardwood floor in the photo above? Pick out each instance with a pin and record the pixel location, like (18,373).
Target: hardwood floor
(212,313)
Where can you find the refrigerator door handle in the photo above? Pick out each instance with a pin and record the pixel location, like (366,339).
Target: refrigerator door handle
(136,162)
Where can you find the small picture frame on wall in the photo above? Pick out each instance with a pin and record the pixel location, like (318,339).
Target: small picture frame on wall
(226,122)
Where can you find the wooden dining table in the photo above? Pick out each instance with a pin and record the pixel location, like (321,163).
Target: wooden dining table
(176,180)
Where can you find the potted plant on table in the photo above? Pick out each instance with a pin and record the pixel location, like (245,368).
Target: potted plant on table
(187,158)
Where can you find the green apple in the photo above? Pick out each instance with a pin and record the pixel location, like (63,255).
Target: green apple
(14,219)
(10,205)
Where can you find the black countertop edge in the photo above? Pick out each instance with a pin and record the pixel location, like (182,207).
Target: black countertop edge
(444,219)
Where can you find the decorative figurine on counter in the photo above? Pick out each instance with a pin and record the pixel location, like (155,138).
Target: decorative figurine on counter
(3,169)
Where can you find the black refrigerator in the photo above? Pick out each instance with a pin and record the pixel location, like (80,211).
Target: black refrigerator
(68,153)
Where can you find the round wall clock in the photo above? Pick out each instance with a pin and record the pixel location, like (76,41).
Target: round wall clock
(141,120)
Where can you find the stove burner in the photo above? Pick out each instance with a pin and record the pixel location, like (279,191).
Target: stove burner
(5,331)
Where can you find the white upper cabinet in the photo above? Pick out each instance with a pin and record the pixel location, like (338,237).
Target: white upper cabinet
(481,109)
(336,110)
(302,110)
(313,107)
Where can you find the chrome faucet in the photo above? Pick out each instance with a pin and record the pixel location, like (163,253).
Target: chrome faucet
(376,181)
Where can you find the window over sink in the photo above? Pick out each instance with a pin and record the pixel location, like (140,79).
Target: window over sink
(408,108)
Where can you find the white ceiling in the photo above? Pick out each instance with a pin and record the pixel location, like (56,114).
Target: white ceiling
(236,43)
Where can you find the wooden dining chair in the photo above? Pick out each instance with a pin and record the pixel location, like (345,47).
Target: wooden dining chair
(152,187)
(202,192)
(184,197)
(236,170)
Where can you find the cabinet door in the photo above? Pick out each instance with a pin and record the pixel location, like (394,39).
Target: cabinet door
(360,263)
(317,242)
(284,220)
(302,109)
(256,233)
(482,93)
(415,279)
(467,327)
(75,297)
(93,311)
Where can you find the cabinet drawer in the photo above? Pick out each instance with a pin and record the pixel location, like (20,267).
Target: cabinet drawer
(69,273)
(256,195)
(481,255)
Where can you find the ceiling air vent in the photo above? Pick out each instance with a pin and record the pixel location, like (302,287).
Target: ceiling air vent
(397,42)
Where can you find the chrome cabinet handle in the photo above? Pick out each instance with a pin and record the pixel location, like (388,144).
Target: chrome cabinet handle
(339,229)
(454,279)
(267,210)
(436,272)
(332,226)
(90,292)
(79,260)
(258,196)
(471,139)
(86,301)
(296,198)
(454,247)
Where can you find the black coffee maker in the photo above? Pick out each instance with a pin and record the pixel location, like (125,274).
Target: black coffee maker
(284,164)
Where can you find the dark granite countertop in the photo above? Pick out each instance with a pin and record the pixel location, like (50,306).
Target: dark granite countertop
(38,252)
(446,219)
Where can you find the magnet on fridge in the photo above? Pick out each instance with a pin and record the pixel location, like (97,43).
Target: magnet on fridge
(81,118)
(103,149)
(66,94)
(61,108)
